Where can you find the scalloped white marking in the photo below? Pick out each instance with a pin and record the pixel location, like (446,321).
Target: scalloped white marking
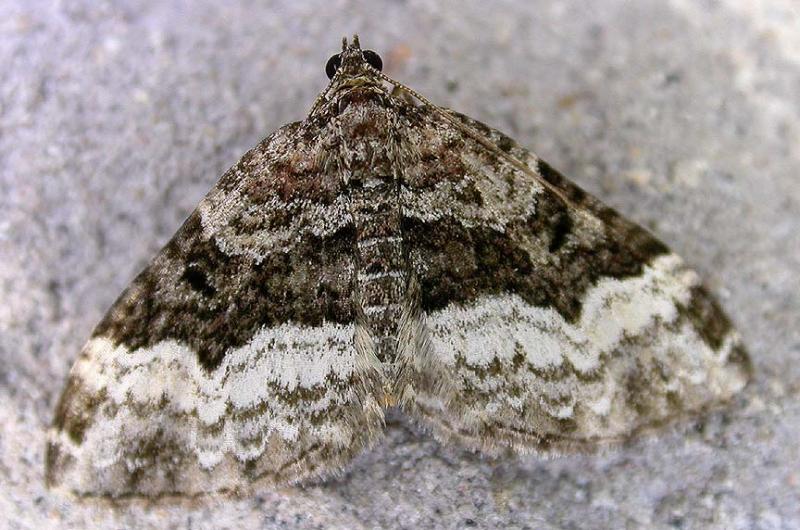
(496,328)
(289,356)
(494,325)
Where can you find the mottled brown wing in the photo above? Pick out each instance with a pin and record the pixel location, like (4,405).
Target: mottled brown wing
(230,358)
(550,321)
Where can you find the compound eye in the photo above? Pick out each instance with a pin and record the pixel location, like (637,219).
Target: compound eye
(373,59)
(333,64)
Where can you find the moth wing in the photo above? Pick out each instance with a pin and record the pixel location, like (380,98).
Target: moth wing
(230,359)
(546,320)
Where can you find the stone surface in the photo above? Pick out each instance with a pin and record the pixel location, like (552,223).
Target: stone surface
(115,118)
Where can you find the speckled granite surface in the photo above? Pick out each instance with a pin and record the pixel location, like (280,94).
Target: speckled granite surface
(115,118)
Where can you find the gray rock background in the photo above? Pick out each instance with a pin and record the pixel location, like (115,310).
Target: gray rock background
(116,118)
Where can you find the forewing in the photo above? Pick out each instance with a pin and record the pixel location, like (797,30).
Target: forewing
(230,358)
(551,321)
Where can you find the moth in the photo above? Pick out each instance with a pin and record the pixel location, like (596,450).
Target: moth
(385,252)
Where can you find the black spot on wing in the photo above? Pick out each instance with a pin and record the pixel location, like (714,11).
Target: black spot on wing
(560,231)
(197,278)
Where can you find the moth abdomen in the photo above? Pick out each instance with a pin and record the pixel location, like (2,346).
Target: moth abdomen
(381,276)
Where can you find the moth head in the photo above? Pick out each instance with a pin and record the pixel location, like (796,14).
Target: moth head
(352,61)
(356,78)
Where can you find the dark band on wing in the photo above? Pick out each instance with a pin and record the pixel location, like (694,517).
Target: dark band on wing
(195,293)
(458,264)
